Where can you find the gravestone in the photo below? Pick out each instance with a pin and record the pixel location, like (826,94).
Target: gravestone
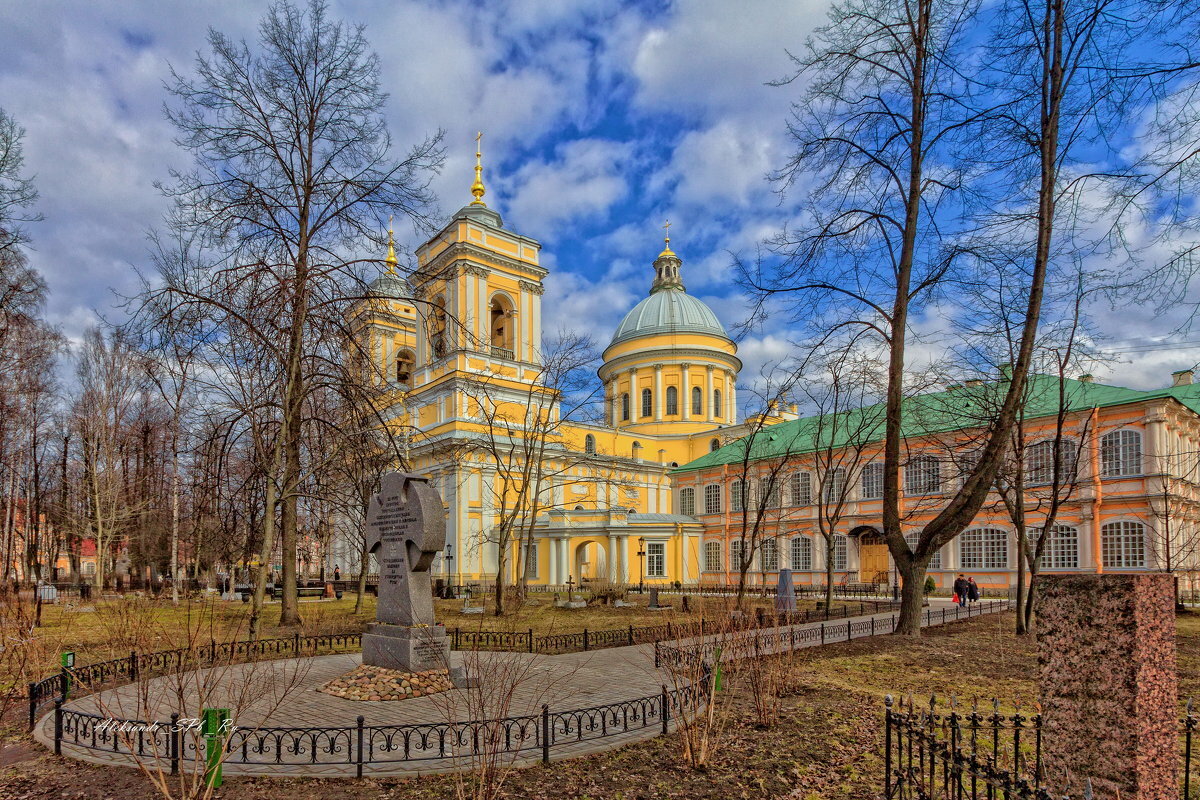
(785,593)
(1108,684)
(654,604)
(406,527)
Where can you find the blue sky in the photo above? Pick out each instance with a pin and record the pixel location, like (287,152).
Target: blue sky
(600,118)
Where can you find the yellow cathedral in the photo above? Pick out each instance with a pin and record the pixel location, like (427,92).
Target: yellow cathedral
(459,349)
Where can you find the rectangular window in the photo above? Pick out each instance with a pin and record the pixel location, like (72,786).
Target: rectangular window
(801,489)
(736,549)
(923,475)
(656,560)
(1061,550)
(712,556)
(737,496)
(1121,454)
(833,490)
(1123,545)
(872,481)
(712,499)
(772,489)
(801,553)
(984,548)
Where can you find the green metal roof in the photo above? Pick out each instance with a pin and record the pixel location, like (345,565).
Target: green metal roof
(959,408)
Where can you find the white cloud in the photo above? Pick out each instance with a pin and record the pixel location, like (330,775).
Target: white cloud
(586,177)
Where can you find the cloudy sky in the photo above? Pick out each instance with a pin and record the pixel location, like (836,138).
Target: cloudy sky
(601,119)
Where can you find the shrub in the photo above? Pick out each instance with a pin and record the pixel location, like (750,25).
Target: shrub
(930,584)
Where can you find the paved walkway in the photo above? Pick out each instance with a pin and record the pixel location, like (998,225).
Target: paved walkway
(283,694)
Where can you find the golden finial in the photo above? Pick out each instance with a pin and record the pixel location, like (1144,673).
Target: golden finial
(391,256)
(667,237)
(477,187)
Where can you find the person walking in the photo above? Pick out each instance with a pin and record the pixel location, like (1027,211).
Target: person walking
(337,572)
(972,590)
(960,590)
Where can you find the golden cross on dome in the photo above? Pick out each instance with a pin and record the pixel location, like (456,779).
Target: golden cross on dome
(667,228)
(391,254)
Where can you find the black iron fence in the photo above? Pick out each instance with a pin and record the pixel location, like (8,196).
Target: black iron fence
(968,753)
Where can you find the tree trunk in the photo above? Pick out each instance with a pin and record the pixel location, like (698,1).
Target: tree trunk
(1021,547)
(175,530)
(363,563)
(912,598)
(500,564)
(828,573)
(264,560)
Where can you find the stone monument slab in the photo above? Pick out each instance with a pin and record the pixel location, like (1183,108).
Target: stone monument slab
(785,593)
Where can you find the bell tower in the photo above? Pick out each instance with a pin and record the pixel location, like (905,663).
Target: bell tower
(479,293)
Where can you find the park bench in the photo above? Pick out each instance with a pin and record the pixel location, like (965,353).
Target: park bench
(301,591)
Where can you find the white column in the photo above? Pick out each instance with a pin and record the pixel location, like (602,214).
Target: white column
(615,393)
(731,384)
(659,400)
(684,549)
(564,561)
(708,392)
(623,557)
(635,401)
(612,558)
(535,324)
(687,394)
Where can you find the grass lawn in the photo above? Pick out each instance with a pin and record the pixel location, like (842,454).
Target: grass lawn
(826,745)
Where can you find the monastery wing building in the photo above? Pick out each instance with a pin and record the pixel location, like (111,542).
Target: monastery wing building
(460,344)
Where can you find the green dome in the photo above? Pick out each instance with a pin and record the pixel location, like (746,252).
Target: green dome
(390,286)
(668,310)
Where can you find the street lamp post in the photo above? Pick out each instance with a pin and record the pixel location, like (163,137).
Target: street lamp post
(449,560)
(641,554)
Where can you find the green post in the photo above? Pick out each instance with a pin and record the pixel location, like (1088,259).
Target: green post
(214,728)
(718,676)
(67,659)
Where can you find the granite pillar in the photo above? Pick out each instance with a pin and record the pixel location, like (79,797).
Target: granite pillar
(1108,685)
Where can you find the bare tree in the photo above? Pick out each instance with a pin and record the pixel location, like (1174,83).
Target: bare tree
(292,172)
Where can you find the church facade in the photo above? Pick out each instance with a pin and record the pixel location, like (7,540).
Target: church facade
(459,348)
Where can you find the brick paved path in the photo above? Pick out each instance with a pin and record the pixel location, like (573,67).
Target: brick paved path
(283,694)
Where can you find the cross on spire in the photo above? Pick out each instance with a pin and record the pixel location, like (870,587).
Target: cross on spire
(477,187)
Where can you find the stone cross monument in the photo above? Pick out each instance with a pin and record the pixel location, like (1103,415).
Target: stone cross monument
(406,528)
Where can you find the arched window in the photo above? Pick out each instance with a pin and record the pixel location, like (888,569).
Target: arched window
(404,368)
(500,326)
(716,409)
(625,406)
(1039,462)
(768,555)
(437,327)
(1121,453)
(1123,544)
(801,553)
(923,475)
(672,401)
(737,495)
(872,481)
(1061,550)
(913,539)
(833,488)
(737,552)
(801,489)
(841,550)
(984,548)
(589,445)
(697,401)
(712,498)
(714,445)
(712,556)
(687,502)
(647,402)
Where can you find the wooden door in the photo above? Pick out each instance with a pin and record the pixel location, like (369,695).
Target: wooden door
(872,559)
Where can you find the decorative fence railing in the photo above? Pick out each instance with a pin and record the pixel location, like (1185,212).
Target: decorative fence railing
(968,753)
(174,742)
(756,641)
(130,668)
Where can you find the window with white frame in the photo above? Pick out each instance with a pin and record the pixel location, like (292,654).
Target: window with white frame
(1061,550)
(913,539)
(696,401)
(687,502)
(712,498)
(737,495)
(672,400)
(772,488)
(1123,545)
(801,489)
(872,481)
(984,548)
(923,475)
(1121,453)
(1039,462)
(833,490)
(712,556)
(589,445)
(656,559)
(801,553)
(768,555)
(736,550)
(841,550)
(647,402)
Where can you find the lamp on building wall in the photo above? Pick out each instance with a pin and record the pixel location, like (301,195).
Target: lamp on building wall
(641,554)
